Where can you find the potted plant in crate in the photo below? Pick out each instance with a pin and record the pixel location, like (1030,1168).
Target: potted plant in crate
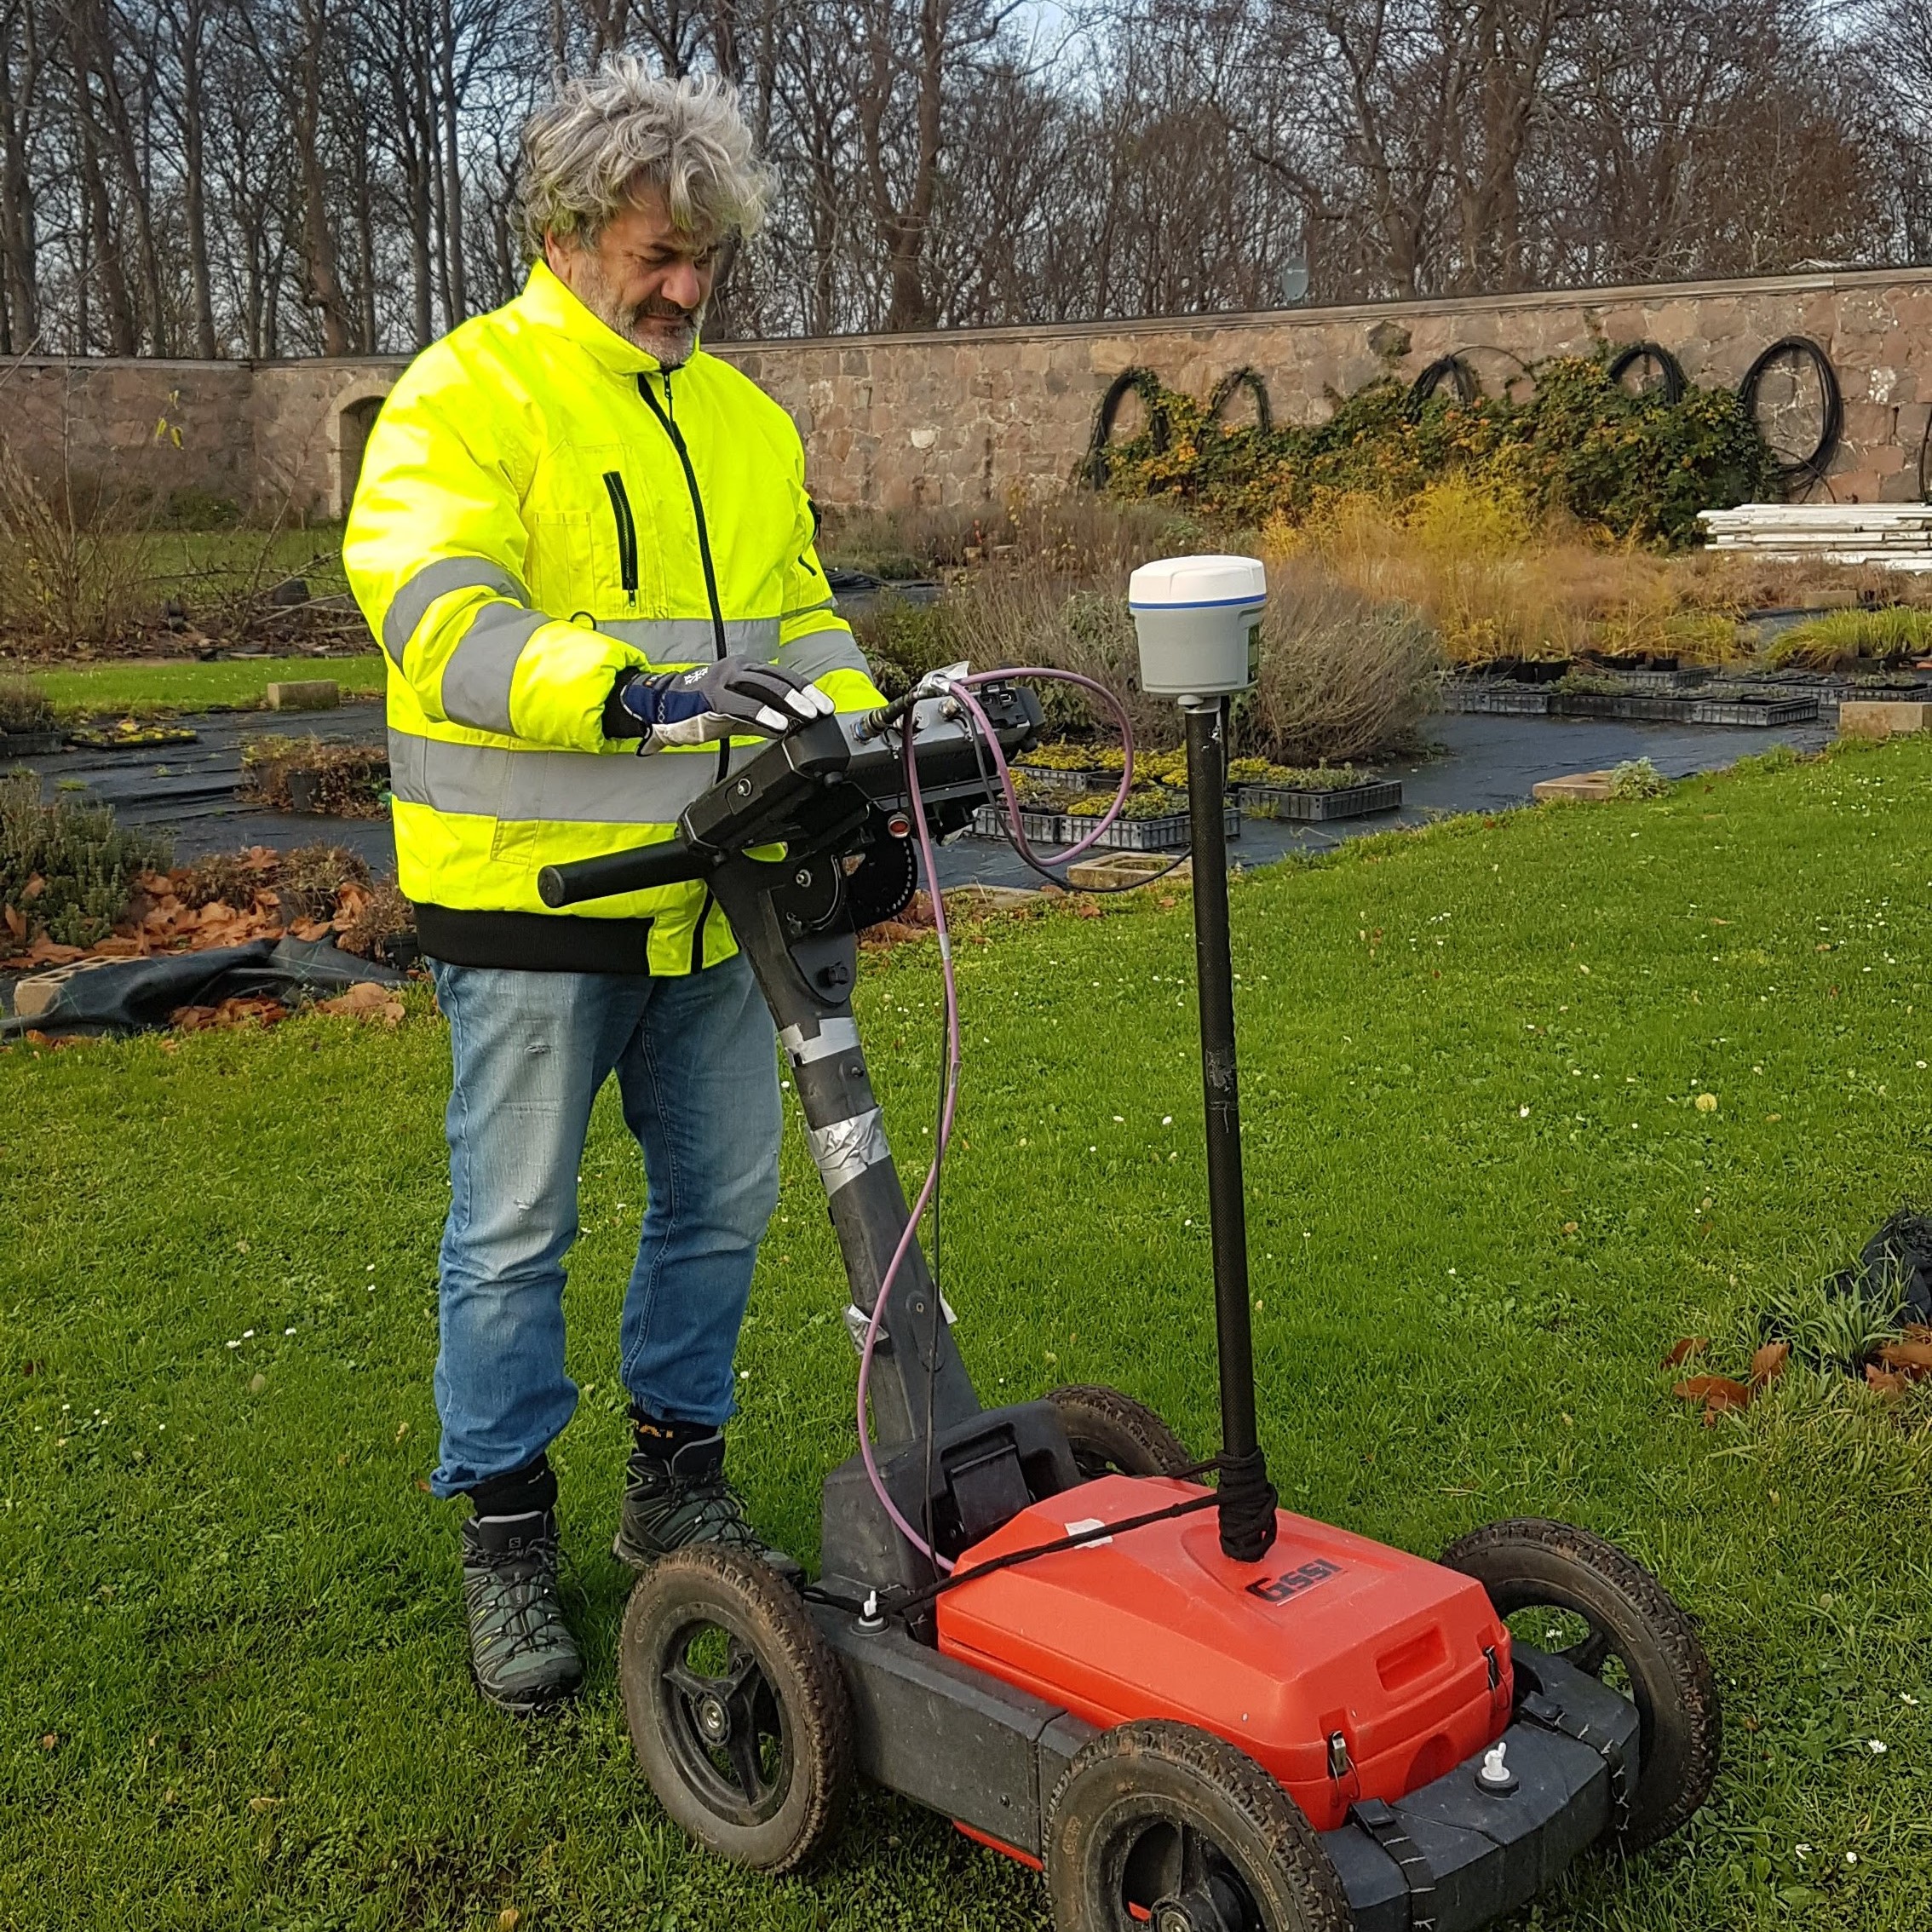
(1315,793)
(27,726)
(1153,820)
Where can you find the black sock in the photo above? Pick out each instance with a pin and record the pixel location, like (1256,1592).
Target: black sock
(664,1436)
(522,1493)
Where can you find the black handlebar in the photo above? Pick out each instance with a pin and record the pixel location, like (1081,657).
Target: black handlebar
(666,863)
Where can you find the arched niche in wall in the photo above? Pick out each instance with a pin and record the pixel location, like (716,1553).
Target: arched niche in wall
(352,416)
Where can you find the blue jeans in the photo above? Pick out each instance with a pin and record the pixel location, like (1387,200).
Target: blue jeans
(697,1071)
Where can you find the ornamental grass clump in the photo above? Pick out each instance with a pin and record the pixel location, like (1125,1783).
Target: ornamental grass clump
(1841,638)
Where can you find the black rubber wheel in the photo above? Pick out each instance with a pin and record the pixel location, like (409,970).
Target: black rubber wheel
(738,1713)
(1112,1435)
(1621,1627)
(1159,1823)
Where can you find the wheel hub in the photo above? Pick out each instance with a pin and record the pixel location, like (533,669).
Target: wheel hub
(713,1719)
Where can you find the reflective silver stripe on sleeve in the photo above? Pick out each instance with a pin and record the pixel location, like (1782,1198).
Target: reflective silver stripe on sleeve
(476,680)
(492,781)
(833,1035)
(847,1149)
(410,604)
(691,641)
(809,657)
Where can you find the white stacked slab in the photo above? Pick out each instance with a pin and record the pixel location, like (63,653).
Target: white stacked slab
(1891,536)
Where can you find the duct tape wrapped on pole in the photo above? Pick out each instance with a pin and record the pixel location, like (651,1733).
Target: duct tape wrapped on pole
(1198,620)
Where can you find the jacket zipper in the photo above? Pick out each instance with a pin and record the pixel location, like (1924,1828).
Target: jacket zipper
(626,532)
(668,419)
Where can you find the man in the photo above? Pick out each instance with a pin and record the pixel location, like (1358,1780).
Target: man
(587,548)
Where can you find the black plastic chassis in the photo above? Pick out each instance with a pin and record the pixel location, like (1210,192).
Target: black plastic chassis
(989,1756)
(949,1737)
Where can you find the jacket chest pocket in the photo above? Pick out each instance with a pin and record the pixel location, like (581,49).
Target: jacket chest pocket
(594,547)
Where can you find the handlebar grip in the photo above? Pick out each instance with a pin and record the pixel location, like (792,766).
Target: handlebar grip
(610,873)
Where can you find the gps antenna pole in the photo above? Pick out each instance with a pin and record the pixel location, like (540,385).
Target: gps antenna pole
(1247,1498)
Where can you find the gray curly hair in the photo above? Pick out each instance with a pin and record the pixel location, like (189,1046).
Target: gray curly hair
(600,137)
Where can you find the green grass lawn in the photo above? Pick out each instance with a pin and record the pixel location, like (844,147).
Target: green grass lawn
(232,1690)
(146,689)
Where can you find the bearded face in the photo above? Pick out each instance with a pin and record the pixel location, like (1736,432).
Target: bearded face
(643,277)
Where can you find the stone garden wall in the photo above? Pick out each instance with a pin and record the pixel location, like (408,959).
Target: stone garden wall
(963,416)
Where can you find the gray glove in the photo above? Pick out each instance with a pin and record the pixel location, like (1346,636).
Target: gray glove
(734,697)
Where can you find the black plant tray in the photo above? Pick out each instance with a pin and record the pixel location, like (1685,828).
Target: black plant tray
(1343,802)
(1167,833)
(1086,778)
(30,744)
(1759,712)
(1506,700)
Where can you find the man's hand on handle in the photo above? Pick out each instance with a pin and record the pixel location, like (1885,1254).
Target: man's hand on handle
(734,697)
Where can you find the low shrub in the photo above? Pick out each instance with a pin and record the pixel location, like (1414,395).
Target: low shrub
(385,917)
(1839,637)
(75,565)
(66,869)
(24,706)
(227,878)
(1580,446)
(904,640)
(348,780)
(309,877)
(1340,676)
(1637,778)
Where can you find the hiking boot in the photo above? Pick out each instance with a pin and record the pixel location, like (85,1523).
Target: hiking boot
(675,1494)
(521,1650)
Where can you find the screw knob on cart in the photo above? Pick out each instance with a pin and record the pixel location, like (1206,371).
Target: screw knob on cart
(1199,623)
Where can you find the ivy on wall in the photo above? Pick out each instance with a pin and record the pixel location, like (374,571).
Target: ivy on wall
(1633,464)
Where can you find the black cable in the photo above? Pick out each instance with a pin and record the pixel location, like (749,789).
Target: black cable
(1209,1499)
(1242,378)
(1453,368)
(1672,384)
(1145,384)
(1800,348)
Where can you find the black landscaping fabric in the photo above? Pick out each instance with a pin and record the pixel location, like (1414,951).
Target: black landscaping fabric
(133,996)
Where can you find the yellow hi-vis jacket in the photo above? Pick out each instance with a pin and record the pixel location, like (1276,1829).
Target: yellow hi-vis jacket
(541,506)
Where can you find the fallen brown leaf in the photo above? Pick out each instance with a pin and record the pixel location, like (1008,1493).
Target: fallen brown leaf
(1769,1363)
(1716,1392)
(1884,1380)
(262,1012)
(1911,1360)
(1682,1351)
(15,923)
(365,1000)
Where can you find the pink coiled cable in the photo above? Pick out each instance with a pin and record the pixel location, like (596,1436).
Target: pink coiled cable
(960,689)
